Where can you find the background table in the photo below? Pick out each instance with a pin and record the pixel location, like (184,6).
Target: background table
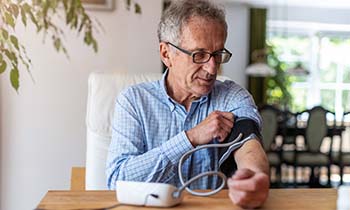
(279,199)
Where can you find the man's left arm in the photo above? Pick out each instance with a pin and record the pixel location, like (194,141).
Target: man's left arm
(249,186)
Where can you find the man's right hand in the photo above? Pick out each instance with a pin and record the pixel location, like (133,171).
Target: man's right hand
(217,125)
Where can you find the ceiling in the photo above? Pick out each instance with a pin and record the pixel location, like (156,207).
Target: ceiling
(334,4)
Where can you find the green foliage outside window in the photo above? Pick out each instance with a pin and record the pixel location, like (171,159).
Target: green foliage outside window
(326,97)
(286,52)
(278,86)
(346,100)
(346,76)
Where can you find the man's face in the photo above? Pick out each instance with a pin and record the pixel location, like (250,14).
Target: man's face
(191,79)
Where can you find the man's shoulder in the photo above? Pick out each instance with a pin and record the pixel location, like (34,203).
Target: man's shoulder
(142,88)
(227,87)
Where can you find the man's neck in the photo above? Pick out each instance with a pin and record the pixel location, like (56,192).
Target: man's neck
(180,95)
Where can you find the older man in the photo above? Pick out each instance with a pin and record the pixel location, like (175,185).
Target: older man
(157,122)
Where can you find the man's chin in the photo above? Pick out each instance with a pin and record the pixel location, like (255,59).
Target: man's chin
(204,89)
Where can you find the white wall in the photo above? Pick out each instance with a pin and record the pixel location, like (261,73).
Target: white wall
(237,16)
(42,129)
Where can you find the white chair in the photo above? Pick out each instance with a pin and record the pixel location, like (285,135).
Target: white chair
(103,88)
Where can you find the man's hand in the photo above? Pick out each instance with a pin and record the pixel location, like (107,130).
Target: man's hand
(248,189)
(217,125)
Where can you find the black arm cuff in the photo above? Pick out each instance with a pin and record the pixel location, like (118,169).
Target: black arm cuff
(248,128)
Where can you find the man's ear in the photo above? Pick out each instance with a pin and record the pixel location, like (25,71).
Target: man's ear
(165,54)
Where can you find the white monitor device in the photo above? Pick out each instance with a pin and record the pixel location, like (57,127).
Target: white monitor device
(147,194)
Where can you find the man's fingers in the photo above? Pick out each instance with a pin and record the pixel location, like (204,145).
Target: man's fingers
(247,188)
(246,185)
(222,124)
(251,184)
(242,174)
(228,115)
(221,136)
(226,124)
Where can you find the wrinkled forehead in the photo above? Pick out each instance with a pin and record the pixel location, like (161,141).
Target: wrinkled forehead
(203,28)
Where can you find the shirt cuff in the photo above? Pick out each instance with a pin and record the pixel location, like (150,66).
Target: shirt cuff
(175,147)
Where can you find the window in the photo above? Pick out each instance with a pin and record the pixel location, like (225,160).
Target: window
(324,53)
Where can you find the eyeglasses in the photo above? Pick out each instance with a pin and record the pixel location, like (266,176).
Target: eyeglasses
(200,57)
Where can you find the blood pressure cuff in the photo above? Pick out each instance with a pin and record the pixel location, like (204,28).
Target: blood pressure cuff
(249,129)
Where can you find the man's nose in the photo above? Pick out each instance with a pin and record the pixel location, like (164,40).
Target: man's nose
(211,66)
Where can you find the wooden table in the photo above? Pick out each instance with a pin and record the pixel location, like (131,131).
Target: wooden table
(279,199)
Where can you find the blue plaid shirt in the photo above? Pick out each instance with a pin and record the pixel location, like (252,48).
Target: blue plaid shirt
(148,133)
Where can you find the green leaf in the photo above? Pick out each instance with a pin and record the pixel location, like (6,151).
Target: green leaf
(14,9)
(26,64)
(11,56)
(24,17)
(65,51)
(137,8)
(26,7)
(54,4)
(14,41)
(32,17)
(46,8)
(95,45)
(65,4)
(5,34)
(82,23)
(88,38)
(69,17)
(28,10)
(9,19)
(1,57)
(75,22)
(3,66)
(57,44)
(14,77)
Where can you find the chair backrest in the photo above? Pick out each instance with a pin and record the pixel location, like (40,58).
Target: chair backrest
(288,122)
(316,128)
(103,88)
(269,115)
(345,123)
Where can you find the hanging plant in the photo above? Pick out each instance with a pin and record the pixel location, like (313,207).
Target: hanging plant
(43,15)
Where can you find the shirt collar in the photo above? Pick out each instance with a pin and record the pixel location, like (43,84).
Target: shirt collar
(169,101)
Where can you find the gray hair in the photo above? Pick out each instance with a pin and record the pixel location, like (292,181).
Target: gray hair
(180,11)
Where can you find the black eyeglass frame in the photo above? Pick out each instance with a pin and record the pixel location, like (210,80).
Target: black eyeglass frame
(192,54)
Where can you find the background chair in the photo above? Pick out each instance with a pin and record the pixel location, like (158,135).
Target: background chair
(315,132)
(270,116)
(288,126)
(342,159)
